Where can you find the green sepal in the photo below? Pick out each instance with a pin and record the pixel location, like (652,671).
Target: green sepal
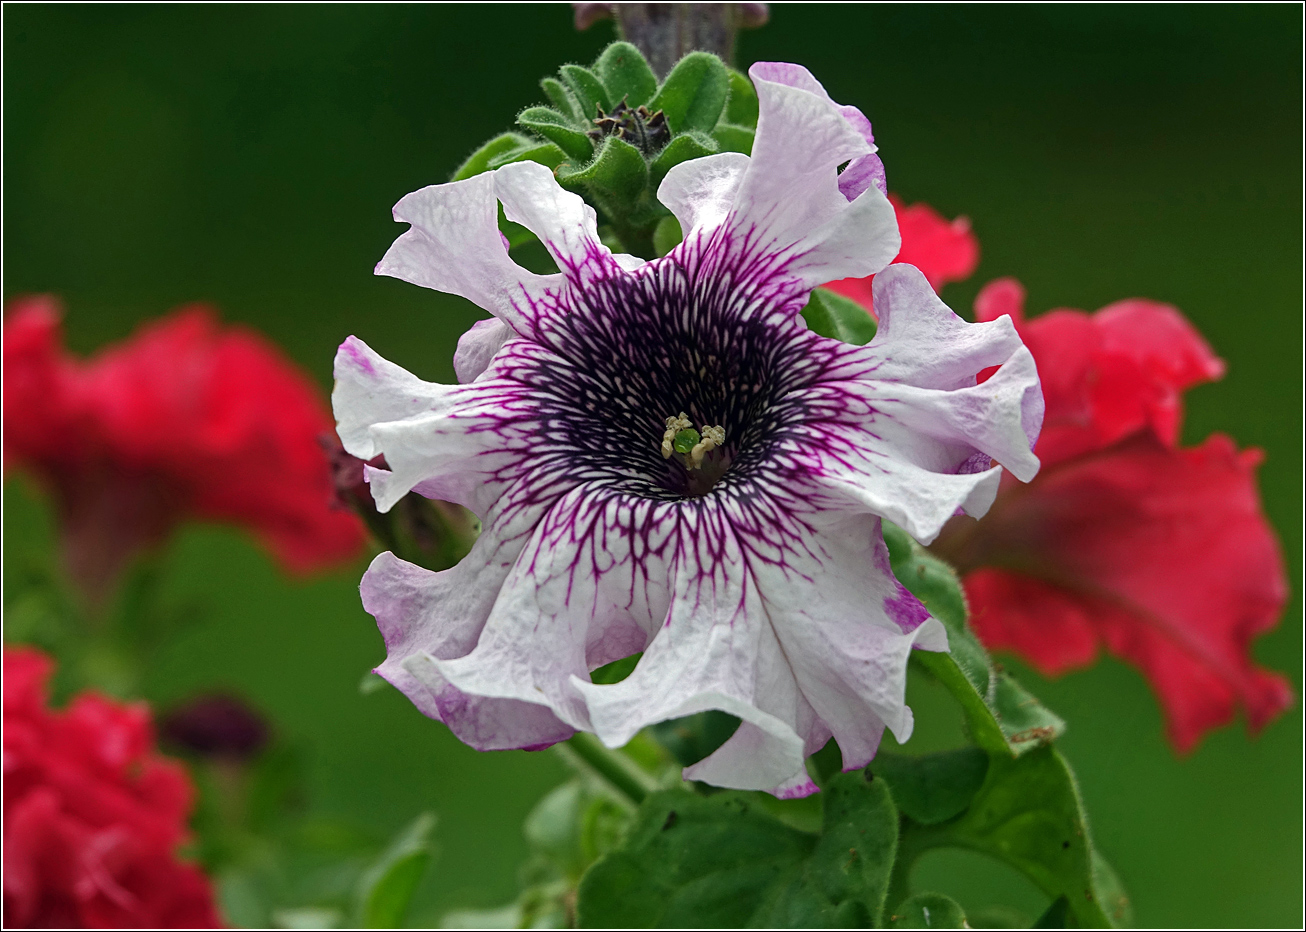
(832,315)
(553,126)
(723,860)
(732,138)
(667,235)
(385,889)
(933,788)
(929,911)
(561,98)
(619,174)
(479,161)
(682,148)
(546,153)
(588,90)
(694,93)
(742,105)
(626,74)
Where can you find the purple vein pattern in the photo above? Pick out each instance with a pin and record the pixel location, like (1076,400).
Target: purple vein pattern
(759,584)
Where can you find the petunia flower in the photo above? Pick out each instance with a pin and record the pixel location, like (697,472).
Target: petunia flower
(667,461)
(183,420)
(93,815)
(945,250)
(1126,540)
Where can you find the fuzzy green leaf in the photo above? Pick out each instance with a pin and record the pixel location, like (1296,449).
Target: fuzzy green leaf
(618,175)
(479,160)
(929,911)
(546,153)
(626,74)
(681,149)
(556,128)
(694,94)
(933,788)
(731,138)
(742,106)
(667,235)
(833,315)
(691,861)
(561,98)
(386,887)
(588,90)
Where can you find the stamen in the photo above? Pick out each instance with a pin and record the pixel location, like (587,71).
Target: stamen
(713,437)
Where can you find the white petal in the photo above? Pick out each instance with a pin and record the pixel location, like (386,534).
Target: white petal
(455,441)
(424,615)
(847,628)
(454,246)
(566,225)
(700,192)
(583,593)
(477,347)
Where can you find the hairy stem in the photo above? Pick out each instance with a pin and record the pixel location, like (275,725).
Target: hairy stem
(667,32)
(614,767)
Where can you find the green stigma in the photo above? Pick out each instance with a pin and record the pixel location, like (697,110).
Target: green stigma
(686,440)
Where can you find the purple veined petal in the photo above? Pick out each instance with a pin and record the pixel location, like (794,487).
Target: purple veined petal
(783,207)
(847,628)
(582,594)
(712,652)
(424,615)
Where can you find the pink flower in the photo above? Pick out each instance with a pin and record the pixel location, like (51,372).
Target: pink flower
(92,815)
(1124,540)
(945,250)
(184,420)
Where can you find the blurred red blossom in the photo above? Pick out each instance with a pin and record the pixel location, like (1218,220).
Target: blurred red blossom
(944,250)
(186,419)
(92,815)
(1159,553)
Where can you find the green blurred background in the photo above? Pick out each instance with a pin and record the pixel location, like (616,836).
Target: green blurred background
(248,156)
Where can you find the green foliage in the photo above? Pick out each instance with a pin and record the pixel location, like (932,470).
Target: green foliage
(701,108)
(833,315)
(479,160)
(691,145)
(723,860)
(626,74)
(694,93)
(386,887)
(561,131)
(933,788)
(667,235)
(741,108)
(929,911)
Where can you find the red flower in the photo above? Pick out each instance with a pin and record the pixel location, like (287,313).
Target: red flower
(1159,553)
(944,250)
(92,815)
(185,419)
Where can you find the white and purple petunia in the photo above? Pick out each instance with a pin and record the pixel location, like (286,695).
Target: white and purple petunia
(747,563)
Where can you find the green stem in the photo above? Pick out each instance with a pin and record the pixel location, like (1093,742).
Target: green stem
(612,766)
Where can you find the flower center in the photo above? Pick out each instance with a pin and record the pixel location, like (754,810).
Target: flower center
(698,451)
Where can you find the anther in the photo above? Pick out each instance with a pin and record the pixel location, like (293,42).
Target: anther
(712,437)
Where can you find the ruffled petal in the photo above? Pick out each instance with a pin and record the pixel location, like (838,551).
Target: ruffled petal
(1162,555)
(454,441)
(782,212)
(426,617)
